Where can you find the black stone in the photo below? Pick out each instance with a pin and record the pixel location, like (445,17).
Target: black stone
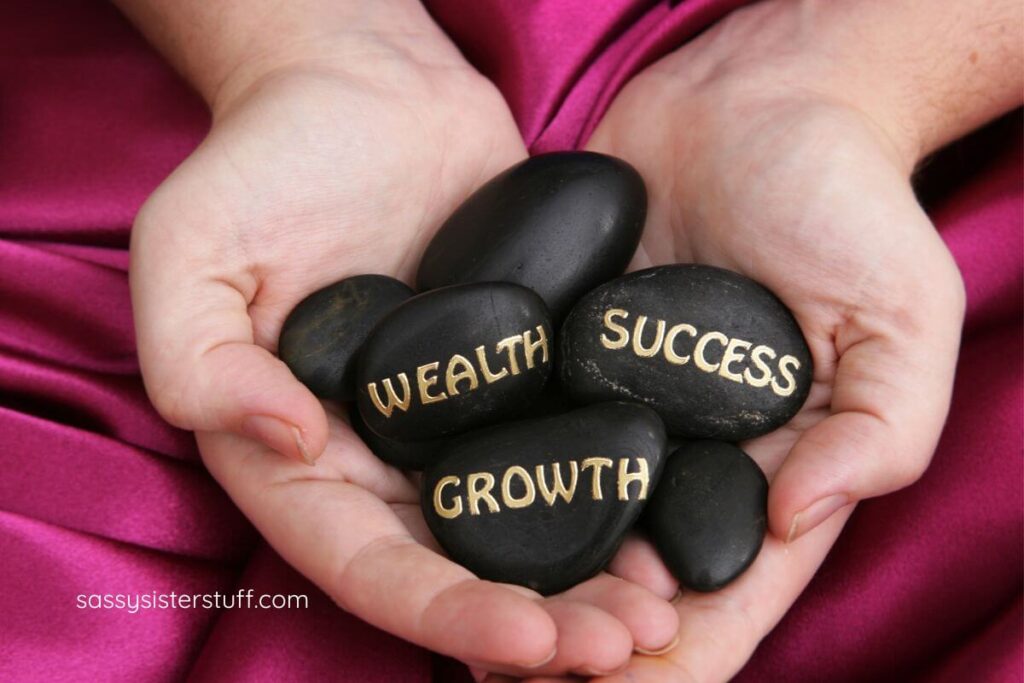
(407,455)
(553,401)
(707,517)
(321,337)
(731,401)
(447,331)
(559,223)
(546,547)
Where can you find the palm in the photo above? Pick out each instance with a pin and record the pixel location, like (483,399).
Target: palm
(806,199)
(317,179)
(308,178)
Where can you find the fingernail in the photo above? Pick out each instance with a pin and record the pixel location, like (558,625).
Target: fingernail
(307,457)
(282,437)
(543,662)
(677,597)
(588,671)
(814,514)
(654,653)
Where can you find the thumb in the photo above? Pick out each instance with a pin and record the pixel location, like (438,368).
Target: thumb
(890,398)
(200,363)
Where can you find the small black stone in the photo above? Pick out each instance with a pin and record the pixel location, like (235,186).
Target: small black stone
(707,517)
(716,354)
(559,223)
(322,335)
(520,528)
(407,455)
(454,359)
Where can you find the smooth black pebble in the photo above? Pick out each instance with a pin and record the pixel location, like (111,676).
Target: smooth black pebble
(407,455)
(322,335)
(707,516)
(454,359)
(544,503)
(715,353)
(559,223)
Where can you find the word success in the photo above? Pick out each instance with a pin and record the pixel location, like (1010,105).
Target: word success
(733,363)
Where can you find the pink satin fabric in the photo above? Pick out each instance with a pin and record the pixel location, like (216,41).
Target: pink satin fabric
(99,495)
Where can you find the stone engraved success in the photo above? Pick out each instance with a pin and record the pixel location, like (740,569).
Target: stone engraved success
(728,367)
(480,485)
(460,369)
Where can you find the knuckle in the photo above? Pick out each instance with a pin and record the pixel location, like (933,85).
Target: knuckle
(168,401)
(168,389)
(907,470)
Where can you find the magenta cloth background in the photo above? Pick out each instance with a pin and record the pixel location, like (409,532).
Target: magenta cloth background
(98,495)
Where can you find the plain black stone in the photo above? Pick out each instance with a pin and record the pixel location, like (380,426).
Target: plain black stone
(444,331)
(545,547)
(599,359)
(707,517)
(559,223)
(407,455)
(321,337)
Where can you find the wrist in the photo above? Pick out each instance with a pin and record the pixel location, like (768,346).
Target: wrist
(807,55)
(922,75)
(382,43)
(919,77)
(225,49)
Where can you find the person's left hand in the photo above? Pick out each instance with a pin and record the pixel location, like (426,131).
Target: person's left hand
(754,164)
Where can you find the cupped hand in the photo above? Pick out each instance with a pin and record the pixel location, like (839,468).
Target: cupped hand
(761,159)
(327,162)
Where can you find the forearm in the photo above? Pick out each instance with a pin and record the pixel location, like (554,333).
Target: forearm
(929,72)
(221,47)
(924,72)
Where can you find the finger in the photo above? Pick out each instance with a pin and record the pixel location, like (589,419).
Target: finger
(889,401)
(638,562)
(719,631)
(651,621)
(348,542)
(591,642)
(200,364)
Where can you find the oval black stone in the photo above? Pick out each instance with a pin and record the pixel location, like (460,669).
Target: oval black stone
(559,223)
(716,354)
(407,455)
(321,337)
(707,517)
(544,503)
(454,359)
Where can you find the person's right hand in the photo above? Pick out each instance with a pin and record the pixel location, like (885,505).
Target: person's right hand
(317,168)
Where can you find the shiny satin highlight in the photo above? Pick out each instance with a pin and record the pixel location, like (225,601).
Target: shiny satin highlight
(98,494)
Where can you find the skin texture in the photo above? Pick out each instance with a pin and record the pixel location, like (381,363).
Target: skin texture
(321,167)
(779,144)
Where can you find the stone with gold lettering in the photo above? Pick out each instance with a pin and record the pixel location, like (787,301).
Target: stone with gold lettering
(454,359)
(544,503)
(715,353)
(322,335)
(559,223)
(708,515)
